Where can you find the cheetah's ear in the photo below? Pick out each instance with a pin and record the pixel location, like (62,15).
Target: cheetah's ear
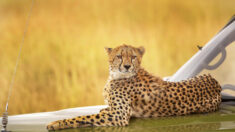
(141,50)
(108,50)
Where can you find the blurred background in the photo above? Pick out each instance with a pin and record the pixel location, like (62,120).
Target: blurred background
(63,63)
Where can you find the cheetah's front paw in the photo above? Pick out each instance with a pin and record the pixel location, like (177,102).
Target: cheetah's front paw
(53,126)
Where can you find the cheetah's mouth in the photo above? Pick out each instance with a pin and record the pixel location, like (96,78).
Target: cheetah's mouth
(124,71)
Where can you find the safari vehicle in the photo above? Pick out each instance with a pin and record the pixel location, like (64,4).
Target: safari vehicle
(224,119)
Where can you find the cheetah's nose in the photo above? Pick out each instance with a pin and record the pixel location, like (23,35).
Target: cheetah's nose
(127,66)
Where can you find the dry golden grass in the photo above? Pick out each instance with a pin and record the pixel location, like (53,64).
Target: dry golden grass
(63,62)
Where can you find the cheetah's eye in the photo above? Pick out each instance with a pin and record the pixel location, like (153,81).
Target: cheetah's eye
(133,57)
(119,56)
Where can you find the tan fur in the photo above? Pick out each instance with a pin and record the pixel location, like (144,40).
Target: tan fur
(133,92)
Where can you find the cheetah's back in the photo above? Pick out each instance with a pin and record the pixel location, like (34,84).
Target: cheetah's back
(199,94)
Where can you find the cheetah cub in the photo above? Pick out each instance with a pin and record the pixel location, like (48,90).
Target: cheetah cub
(133,92)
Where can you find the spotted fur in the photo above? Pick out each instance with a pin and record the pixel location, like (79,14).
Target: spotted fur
(133,92)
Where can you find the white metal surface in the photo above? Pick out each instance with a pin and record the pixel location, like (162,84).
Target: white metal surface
(38,121)
(203,57)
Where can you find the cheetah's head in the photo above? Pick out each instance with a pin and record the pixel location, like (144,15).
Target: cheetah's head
(124,61)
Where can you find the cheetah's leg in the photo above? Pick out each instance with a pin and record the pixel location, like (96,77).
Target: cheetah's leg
(118,115)
(211,105)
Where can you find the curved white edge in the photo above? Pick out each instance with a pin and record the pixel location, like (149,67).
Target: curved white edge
(204,56)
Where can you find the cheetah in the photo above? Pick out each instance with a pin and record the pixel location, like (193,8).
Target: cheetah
(131,91)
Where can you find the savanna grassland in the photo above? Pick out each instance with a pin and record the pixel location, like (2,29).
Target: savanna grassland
(63,63)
